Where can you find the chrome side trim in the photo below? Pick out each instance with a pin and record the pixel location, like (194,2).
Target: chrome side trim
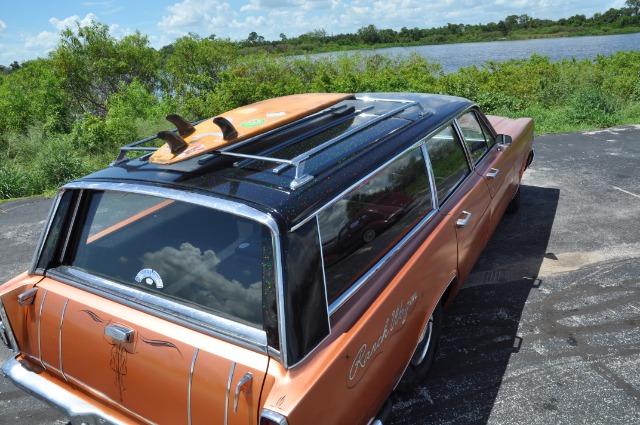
(78,410)
(219,327)
(5,329)
(226,399)
(326,299)
(274,417)
(45,232)
(64,309)
(193,366)
(46,291)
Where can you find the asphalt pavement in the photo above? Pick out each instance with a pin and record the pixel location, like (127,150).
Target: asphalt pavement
(546,329)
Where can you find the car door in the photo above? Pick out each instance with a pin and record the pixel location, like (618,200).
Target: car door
(462,196)
(491,161)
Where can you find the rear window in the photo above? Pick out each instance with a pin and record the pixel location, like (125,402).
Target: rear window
(208,259)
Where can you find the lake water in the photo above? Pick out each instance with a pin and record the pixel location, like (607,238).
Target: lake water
(454,56)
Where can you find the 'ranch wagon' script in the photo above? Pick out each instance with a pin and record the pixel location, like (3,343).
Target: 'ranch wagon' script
(366,354)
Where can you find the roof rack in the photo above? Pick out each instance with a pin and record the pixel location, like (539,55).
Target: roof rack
(136,146)
(298,162)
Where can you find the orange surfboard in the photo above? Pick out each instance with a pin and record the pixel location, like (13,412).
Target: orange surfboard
(248,121)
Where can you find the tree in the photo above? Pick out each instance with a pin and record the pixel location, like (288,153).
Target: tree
(634,5)
(92,65)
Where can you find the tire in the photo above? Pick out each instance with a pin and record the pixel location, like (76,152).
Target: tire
(514,205)
(424,354)
(368,235)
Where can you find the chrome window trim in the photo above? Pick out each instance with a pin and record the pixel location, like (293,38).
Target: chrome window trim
(204,200)
(324,280)
(365,277)
(432,178)
(45,231)
(356,185)
(480,119)
(210,324)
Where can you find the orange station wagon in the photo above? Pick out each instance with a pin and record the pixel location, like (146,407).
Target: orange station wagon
(286,262)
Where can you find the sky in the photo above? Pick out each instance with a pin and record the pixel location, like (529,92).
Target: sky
(30,29)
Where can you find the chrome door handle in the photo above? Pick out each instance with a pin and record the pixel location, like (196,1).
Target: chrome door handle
(493,174)
(243,385)
(119,332)
(463,221)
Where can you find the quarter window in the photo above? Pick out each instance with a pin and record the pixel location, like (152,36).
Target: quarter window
(360,228)
(448,162)
(476,136)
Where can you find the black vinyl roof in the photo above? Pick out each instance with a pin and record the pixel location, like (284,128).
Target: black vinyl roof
(353,140)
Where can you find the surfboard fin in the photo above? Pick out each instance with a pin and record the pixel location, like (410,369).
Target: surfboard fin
(175,142)
(184,127)
(228,130)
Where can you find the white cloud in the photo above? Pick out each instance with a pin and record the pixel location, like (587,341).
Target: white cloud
(71,21)
(3,27)
(196,16)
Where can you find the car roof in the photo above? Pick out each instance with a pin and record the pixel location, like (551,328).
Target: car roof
(347,143)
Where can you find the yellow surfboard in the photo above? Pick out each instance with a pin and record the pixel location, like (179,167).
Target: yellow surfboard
(242,123)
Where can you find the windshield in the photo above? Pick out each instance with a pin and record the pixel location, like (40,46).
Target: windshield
(208,259)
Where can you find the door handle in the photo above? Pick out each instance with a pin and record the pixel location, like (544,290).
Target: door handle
(243,385)
(119,332)
(463,221)
(493,173)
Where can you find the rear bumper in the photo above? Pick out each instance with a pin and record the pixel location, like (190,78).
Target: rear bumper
(79,410)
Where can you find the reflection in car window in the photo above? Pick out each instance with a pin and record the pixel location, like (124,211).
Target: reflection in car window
(194,255)
(360,228)
(476,137)
(448,162)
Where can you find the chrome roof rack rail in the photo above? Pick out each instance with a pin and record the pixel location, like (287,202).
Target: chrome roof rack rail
(299,161)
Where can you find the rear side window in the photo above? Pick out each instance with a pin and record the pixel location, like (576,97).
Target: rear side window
(360,228)
(448,161)
(207,259)
(477,138)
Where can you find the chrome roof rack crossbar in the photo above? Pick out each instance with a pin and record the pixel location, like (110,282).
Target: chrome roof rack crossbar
(231,148)
(135,147)
(299,161)
(346,115)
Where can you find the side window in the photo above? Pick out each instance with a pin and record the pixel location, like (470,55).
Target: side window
(360,228)
(448,161)
(476,136)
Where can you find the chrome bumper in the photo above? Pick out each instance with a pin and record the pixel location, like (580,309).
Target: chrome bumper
(78,410)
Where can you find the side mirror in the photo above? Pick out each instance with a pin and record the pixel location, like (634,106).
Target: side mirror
(504,140)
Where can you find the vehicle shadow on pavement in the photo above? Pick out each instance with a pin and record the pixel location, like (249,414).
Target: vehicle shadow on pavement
(480,327)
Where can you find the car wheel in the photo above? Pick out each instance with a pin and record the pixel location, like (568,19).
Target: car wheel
(424,354)
(514,205)
(369,235)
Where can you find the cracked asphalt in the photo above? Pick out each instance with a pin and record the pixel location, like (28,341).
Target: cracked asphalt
(546,329)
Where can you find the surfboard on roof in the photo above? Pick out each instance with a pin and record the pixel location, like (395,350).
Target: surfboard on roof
(238,124)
